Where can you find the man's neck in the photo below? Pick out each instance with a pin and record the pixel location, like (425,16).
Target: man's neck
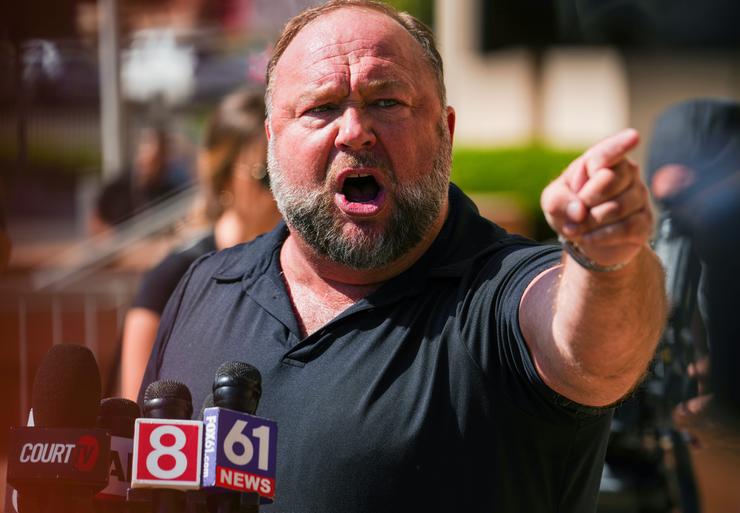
(318,292)
(321,289)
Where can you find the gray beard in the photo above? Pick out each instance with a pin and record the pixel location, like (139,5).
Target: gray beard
(312,214)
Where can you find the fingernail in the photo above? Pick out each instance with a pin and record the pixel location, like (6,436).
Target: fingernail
(573,210)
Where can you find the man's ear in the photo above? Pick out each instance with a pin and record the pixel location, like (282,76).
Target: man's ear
(267,129)
(451,122)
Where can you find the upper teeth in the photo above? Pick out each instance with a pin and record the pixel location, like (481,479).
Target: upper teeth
(358,175)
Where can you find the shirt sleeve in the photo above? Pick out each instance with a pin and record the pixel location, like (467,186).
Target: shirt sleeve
(159,282)
(496,341)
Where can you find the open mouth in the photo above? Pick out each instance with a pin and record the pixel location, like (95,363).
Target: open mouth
(361,193)
(360,188)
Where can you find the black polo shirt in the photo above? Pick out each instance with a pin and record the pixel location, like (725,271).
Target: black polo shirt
(420,397)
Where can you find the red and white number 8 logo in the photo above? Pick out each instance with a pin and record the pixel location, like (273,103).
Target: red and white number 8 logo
(174,451)
(167,454)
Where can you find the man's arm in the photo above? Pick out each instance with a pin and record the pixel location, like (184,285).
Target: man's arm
(592,332)
(139,333)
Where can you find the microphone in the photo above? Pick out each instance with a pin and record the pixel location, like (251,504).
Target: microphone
(240,447)
(237,386)
(118,415)
(167,448)
(62,461)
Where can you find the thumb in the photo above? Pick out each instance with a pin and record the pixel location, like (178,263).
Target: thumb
(561,206)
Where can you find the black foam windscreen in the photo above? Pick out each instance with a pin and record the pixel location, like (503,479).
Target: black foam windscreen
(119,416)
(168,399)
(66,389)
(237,386)
(167,389)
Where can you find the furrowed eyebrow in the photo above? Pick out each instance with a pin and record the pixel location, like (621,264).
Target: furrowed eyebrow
(326,91)
(381,85)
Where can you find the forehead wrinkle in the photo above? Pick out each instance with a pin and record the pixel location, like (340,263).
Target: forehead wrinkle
(366,46)
(389,41)
(371,66)
(362,58)
(364,74)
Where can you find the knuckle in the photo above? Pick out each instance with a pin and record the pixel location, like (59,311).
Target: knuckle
(547,200)
(594,159)
(551,212)
(628,167)
(589,198)
(608,174)
(607,211)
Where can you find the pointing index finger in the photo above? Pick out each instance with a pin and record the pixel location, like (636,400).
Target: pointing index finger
(611,150)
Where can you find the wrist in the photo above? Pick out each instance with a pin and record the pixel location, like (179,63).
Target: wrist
(584,261)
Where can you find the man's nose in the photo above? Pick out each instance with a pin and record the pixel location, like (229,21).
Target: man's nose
(355,130)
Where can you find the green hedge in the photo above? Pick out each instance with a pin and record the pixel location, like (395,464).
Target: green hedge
(521,172)
(422,9)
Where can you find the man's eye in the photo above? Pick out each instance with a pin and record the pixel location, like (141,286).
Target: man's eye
(321,109)
(387,102)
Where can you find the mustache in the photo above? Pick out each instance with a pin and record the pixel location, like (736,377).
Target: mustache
(358,159)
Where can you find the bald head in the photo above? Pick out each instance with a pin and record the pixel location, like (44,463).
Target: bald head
(418,31)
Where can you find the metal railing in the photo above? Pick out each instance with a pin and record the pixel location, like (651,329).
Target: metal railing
(78,296)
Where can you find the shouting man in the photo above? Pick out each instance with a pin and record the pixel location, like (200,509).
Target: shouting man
(416,356)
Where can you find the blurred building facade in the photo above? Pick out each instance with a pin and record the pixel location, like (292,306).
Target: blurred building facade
(570,90)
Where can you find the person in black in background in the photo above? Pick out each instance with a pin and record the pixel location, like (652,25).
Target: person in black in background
(236,206)
(694,176)
(693,173)
(149,179)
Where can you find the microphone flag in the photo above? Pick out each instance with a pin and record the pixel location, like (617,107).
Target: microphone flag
(240,452)
(167,454)
(119,480)
(58,456)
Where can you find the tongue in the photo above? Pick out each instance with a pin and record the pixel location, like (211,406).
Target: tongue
(360,190)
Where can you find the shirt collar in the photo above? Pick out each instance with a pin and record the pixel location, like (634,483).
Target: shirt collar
(248,261)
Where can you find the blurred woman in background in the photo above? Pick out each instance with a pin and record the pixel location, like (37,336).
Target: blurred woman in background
(235,206)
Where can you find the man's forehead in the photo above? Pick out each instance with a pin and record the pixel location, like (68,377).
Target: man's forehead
(346,35)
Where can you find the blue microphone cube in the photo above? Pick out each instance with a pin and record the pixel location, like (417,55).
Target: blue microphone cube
(239,452)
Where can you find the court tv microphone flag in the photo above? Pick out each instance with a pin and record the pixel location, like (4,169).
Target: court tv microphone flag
(62,461)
